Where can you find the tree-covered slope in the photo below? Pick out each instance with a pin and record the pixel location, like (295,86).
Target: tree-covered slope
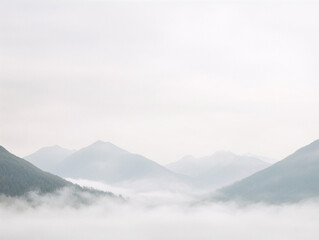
(292,179)
(18,176)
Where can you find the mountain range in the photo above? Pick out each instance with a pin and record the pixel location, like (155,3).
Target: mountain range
(220,169)
(103,161)
(292,179)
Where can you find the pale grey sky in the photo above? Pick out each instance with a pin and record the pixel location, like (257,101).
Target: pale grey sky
(158,78)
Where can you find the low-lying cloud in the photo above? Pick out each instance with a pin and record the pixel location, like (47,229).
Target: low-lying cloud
(152,216)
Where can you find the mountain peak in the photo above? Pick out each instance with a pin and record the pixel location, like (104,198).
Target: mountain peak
(101,143)
(52,147)
(105,146)
(46,158)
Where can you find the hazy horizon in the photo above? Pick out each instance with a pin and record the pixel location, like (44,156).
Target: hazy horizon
(160,79)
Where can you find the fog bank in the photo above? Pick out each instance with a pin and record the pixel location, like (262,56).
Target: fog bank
(108,219)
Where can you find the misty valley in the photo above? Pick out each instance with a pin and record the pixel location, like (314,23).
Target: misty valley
(107,192)
(159,120)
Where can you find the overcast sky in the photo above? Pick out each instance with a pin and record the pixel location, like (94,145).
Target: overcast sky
(160,79)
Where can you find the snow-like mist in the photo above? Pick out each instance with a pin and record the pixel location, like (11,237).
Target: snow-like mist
(157,215)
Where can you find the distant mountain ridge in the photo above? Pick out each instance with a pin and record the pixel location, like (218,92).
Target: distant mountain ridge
(220,169)
(292,179)
(103,161)
(48,158)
